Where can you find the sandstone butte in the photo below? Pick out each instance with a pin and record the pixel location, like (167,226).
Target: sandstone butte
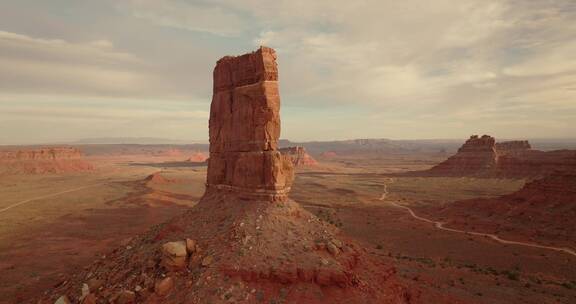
(48,160)
(299,156)
(484,157)
(245,241)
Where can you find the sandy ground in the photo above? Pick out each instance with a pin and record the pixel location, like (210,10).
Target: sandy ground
(43,239)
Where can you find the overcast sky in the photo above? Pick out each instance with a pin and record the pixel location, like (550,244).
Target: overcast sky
(410,69)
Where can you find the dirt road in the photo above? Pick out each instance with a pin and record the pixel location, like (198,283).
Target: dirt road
(47,196)
(440,225)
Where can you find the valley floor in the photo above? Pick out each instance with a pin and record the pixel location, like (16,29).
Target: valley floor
(52,225)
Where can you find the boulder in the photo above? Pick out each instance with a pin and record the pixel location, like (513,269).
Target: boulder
(174,255)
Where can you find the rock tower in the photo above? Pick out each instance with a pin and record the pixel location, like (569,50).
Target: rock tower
(245,128)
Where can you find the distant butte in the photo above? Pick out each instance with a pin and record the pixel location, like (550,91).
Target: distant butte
(48,160)
(484,157)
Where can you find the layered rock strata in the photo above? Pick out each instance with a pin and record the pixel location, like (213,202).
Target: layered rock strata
(49,160)
(244,128)
(484,157)
(478,154)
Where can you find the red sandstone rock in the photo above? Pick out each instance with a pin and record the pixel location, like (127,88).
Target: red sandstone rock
(512,147)
(256,244)
(477,156)
(245,127)
(482,156)
(299,156)
(43,161)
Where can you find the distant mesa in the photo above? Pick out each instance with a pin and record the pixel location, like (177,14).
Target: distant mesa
(47,160)
(484,157)
(299,156)
(198,157)
(328,154)
(245,241)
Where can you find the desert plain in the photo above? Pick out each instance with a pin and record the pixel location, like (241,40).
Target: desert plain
(52,225)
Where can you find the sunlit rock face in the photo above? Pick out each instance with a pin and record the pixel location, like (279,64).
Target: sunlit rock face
(299,156)
(245,127)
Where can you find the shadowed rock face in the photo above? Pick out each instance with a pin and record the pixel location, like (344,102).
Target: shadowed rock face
(512,148)
(476,155)
(245,127)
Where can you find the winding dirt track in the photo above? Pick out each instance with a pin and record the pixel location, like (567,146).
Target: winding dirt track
(440,225)
(47,196)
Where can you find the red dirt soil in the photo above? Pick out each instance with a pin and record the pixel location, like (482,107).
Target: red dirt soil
(543,209)
(260,251)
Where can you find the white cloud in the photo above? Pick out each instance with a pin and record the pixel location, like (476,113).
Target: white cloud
(188,16)
(92,68)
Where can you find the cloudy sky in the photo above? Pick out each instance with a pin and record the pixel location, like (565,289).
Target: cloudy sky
(72,69)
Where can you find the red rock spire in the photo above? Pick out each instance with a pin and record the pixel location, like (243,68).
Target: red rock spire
(245,127)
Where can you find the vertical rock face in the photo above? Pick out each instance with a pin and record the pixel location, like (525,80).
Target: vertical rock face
(478,154)
(512,147)
(245,127)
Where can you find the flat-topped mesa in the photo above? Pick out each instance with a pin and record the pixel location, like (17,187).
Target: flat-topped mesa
(53,153)
(245,128)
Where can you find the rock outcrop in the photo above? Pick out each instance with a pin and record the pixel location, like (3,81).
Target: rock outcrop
(49,160)
(299,156)
(245,128)
(477,156)
(158,178)
(198,157)
(245,241)
(484,157)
